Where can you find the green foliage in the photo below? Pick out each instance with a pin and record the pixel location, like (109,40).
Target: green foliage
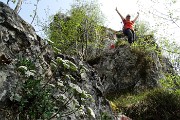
(150,105)
(26,62)
(121,43)
(172,51)
(127,99)
(32,100)
(157,105)
(91,112)
(145,36)
(67,64)
(154,104)
(171,82)
(36,102)
(105,116)
(142,28)
(72,34)
(146,44)
(36,98)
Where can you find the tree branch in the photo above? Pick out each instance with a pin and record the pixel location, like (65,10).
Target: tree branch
(18,6)
(170,51)
(7,2)
(35,11)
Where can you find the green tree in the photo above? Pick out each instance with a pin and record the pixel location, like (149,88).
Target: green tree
(172,51)
(74,31)
(166,20)
(143,28)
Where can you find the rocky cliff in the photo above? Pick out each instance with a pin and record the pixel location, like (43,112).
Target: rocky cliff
(37,83)
(131,68)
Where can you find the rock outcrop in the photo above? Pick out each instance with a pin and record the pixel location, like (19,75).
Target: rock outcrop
(27,60)
(128,70)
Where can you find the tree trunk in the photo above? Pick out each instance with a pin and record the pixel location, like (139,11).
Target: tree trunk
(18,6)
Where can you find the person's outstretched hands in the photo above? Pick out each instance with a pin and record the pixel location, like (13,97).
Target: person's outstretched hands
(138,13)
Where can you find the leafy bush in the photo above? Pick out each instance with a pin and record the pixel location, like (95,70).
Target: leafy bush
(105,116)
(121,43)
(158,105)
(171,82)
(125,100)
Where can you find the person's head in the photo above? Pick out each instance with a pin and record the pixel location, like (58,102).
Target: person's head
(128,17)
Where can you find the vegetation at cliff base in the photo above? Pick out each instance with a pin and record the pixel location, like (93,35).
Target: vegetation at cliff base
(159,103)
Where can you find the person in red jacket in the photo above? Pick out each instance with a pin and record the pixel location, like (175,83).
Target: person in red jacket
(128,26)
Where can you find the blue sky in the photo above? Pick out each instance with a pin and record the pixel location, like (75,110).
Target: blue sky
(53,6)
(49,7)
(45,9)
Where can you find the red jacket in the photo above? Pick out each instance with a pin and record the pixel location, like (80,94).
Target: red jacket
(128,24)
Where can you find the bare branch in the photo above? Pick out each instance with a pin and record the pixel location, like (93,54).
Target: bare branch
(18,6)
(168,19)
(170,51)
(174,22)
(35,11)
(7,2)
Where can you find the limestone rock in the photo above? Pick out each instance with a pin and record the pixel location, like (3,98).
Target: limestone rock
(19,43)
(125,70)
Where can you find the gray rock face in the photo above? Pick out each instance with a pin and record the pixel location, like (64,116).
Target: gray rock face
(125,70)
(18,41)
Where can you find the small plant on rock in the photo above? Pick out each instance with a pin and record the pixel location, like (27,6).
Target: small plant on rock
(58,97)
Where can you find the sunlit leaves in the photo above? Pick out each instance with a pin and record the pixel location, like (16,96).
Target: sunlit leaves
(67,64)
(171,82)
(91,112)
(172,51)
(73,31)
(75,87)
(22,68)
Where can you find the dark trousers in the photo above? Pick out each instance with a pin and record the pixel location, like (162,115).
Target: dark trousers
(130,34)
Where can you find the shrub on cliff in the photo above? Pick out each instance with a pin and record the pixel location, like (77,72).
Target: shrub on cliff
(157,105)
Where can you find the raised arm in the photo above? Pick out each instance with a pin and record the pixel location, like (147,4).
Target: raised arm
(120,14)
(136,17)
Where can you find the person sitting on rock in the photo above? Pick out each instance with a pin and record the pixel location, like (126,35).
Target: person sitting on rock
(128,26)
